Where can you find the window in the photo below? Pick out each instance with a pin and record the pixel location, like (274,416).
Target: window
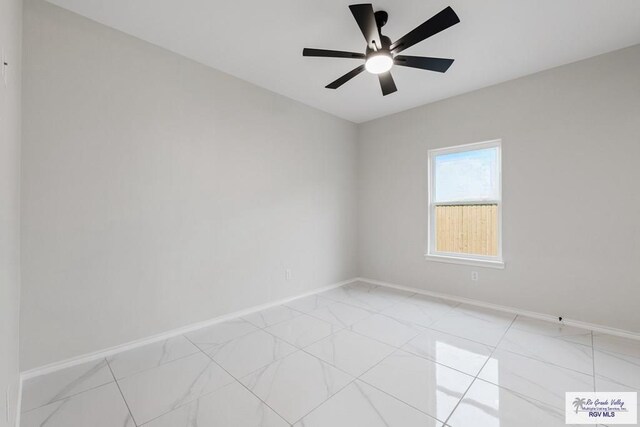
(465,206)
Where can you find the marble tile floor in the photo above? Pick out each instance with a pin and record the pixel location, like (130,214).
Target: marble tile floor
(359,355)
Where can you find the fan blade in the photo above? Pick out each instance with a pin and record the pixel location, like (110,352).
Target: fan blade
(386,83)
(363,13)
(440,65)
(331,53)
(342,80)
(439,22)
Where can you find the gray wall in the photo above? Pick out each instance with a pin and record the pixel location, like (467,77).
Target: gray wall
(10,40)
(571,147)
(158,192)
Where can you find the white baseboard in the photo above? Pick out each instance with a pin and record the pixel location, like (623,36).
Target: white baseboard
(512,310)
(192,327)
(56,366)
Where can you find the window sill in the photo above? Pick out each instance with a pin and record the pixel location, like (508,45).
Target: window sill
(465,261)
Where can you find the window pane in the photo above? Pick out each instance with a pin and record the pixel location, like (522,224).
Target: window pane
(466,176)
(469,229)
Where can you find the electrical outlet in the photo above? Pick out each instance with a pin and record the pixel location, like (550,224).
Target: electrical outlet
(474,276)
(287,274)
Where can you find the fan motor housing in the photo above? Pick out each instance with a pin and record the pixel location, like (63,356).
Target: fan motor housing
(381,18)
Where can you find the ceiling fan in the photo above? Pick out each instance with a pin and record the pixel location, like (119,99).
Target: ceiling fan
(381,54)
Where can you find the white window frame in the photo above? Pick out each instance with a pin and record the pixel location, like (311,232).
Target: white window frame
(462,258)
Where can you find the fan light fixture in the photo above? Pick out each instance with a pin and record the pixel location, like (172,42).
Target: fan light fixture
(379,63)
(381,53)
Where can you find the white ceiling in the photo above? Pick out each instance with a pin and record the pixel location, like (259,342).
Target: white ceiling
(261,42)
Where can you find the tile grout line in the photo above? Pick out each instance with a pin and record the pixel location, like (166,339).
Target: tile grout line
(311,343)
(396,348)
(342,328)
(373,313)
(378,312)
(518,393)
(121,393)
(333,394)
(370,313)
(367,308)
(555,365)
(279,338)
(303,349)
(71,395)
(358,378)
(494,349)
(223,342)
(197,350)
(552,363)
(200,351)
(388,394)
(276,323)
(353,378)
(297,350)
(240,382)
(66,397)
(480,370)
(397,398)
(375,339)
(527,356)
(301,313)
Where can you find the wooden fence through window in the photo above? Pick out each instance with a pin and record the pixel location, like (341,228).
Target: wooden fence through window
(470,229)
